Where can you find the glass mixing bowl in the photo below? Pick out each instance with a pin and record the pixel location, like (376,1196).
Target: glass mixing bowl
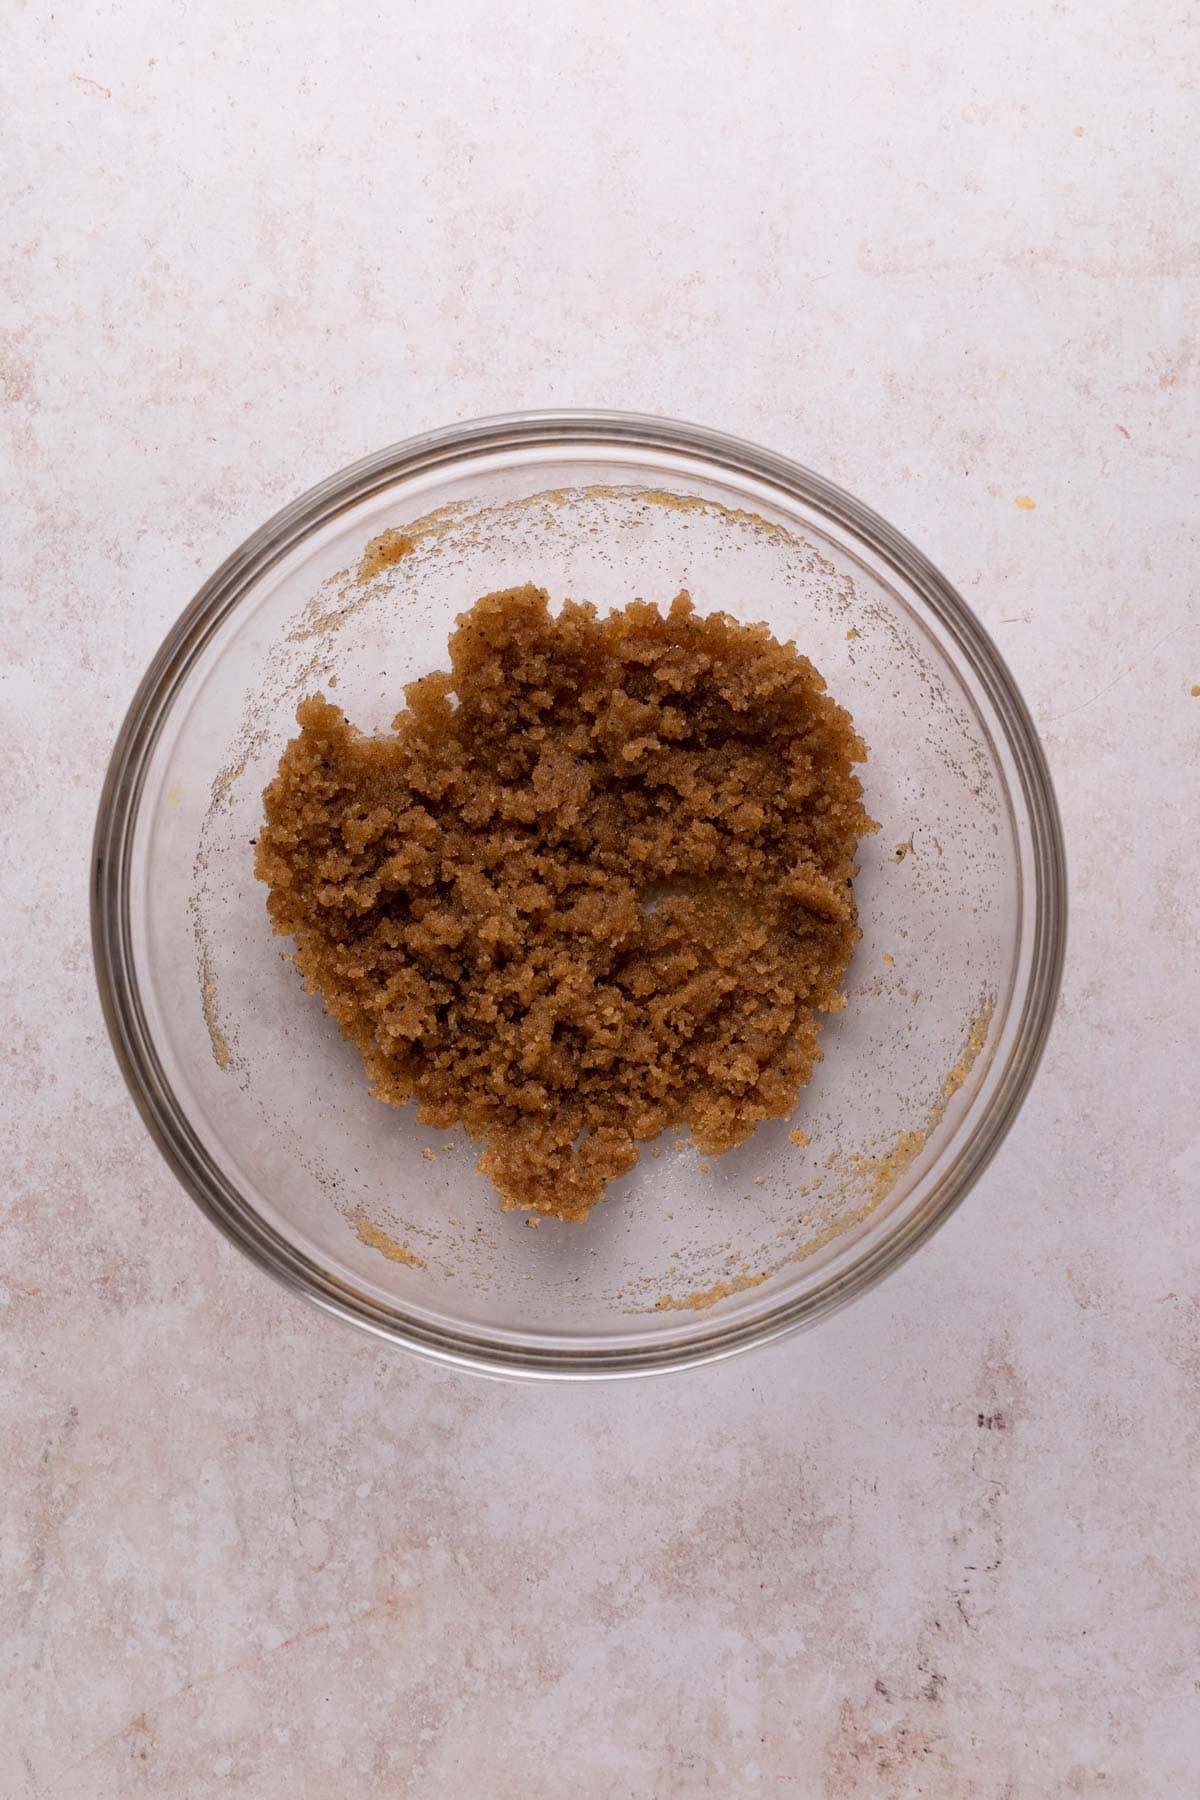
(261,1108)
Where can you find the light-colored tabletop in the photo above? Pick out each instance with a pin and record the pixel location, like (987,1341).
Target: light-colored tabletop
(946,1545)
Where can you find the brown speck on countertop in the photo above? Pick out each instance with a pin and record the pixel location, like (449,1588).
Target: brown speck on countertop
(799,1138)
(93,87)
(904,849)
(888,958)
(1025,503)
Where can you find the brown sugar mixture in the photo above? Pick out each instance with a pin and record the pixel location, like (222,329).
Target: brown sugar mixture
(594,885)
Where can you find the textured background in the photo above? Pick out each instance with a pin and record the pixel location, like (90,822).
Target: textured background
(945,1546)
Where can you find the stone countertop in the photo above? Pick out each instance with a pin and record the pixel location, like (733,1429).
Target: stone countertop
(946,1545)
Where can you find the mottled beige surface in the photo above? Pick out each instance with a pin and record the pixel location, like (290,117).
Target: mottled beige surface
(945,1546)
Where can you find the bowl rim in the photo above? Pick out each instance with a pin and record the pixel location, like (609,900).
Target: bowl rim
(117,816)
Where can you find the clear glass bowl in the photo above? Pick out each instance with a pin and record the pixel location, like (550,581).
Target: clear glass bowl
(261,1108)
